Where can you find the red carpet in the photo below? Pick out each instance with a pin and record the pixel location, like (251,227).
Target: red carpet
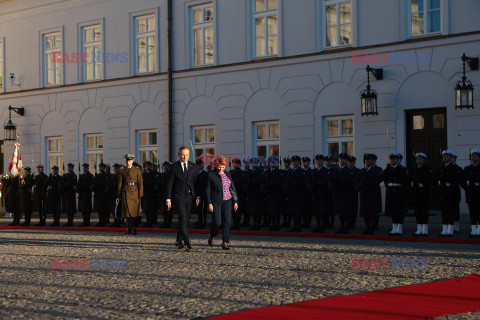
(420,301)
(265,234)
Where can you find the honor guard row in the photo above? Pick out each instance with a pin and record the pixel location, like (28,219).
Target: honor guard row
(268,196)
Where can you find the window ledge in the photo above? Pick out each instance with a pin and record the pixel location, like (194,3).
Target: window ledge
(426,35)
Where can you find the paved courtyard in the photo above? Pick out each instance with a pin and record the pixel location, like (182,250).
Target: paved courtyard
(162,282)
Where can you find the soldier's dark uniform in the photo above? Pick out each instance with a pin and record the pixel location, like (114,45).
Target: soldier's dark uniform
(12,200)
(319,188)
(396,183)
(356,172)
(295,189)
(52,198)
(343,190)
(307,216)
(369,181)
(253,179)
(69,181)
(238,177)
(100,200)
(331,171)
(246,212)
(200,190)
(25,195)
(112,196)
(472,192)
(421,184)
(149,200)
(85,187)
(285,216)
(272,186)
(5,187)
(449,178)
(39,193)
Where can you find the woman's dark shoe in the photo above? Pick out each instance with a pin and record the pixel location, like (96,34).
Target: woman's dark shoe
(225,246)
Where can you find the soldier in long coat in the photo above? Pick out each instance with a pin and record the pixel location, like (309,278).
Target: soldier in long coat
(25,195)
(331,171)
(343,189)
(285,216)
(370,178)
(272,187)
(130,191)
(69,181)
(101,196)
(238,177)
(319,187)
(85,187)
(295,189)
(472,191)
(356,172)
(253,179)
(53,185)
(421,183)
(115,207)
(39,193)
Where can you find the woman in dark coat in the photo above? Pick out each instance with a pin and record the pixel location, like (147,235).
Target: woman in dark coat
(370,178)
(221,196)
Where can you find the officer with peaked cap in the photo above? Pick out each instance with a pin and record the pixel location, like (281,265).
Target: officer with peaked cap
(369,180)
(319,184)
(238,177)
(285,216)
(395,177)
(295,189)
(85,187)
(130,192)
(253,179)
(456,223)
(53,184)
(25,183)
(343,189)
(69,182)
(331,171)
(115,207)
(101,195)
(39,192)
(472,192)
(421,182)
(272,187)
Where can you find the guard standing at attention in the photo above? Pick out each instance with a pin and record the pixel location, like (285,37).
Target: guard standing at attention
(69,181)
(85,187)
(130,192)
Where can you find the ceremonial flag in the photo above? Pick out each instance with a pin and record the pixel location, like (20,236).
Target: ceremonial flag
(16,164)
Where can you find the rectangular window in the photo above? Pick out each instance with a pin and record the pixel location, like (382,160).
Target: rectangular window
(425,17)
(2,75)
(204,143)
(55,153)
(339,135)
(147,146)
(93,149)
(266,28)
(53,58)
(203,34)
(93,53)
(146,48)
(267,139)
(338,23)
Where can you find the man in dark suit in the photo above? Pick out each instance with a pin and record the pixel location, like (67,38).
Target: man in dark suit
(181,190)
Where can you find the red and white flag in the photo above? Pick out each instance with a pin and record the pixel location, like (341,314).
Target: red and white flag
(16,164)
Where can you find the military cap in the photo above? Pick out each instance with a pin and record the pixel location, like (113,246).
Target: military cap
(475,151)
(148,163)
(296,158)
(199,162)
(236,160)
(352,158)
(370,156)
(273,159)
(455,155)
(246,160)
(328,158)
(319,157)
(287,160)
(343,155)
(450,153)
(85,165)
(129,156)
(40,166)
(305,159)
(166,163)
(395,155)
(70,165)
(421,154)
(55,168)
(116,165)
(27,169)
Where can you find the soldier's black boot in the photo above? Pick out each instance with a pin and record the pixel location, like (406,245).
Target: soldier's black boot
(41,223)
(69,223)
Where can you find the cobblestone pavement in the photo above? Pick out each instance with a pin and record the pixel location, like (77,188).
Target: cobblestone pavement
(162,282)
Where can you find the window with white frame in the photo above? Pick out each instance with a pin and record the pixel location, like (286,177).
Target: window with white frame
(55,153)
(93,149)
(147,145)
(204,143)
(338,23)
(266,28)
(202,28)
(146,48)
(339,135)
(425,17)
(92,49)
(267,139)
(53,58)
(2,75)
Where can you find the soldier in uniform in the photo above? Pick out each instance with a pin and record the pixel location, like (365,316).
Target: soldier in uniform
(285,216)
(331,171)
(369,179)
(130,192)
(85,187)
(39,193)
(5,187)
(307,217)
(69,182)
(472,191)
(115,207)
(238,177)
(295,189)
(12,200)
(395,177)
(53,185)
(343,189)
(246,210)
(421,182)
(149,200)
(318,185)
(456,224)
(253,179)
(351,163)
(25,195)
(272,187)
(200,185)
(162,196)
(101,196)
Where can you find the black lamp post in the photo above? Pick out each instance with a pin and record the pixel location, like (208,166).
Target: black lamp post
(464,88)
(369,96)
(10,128)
